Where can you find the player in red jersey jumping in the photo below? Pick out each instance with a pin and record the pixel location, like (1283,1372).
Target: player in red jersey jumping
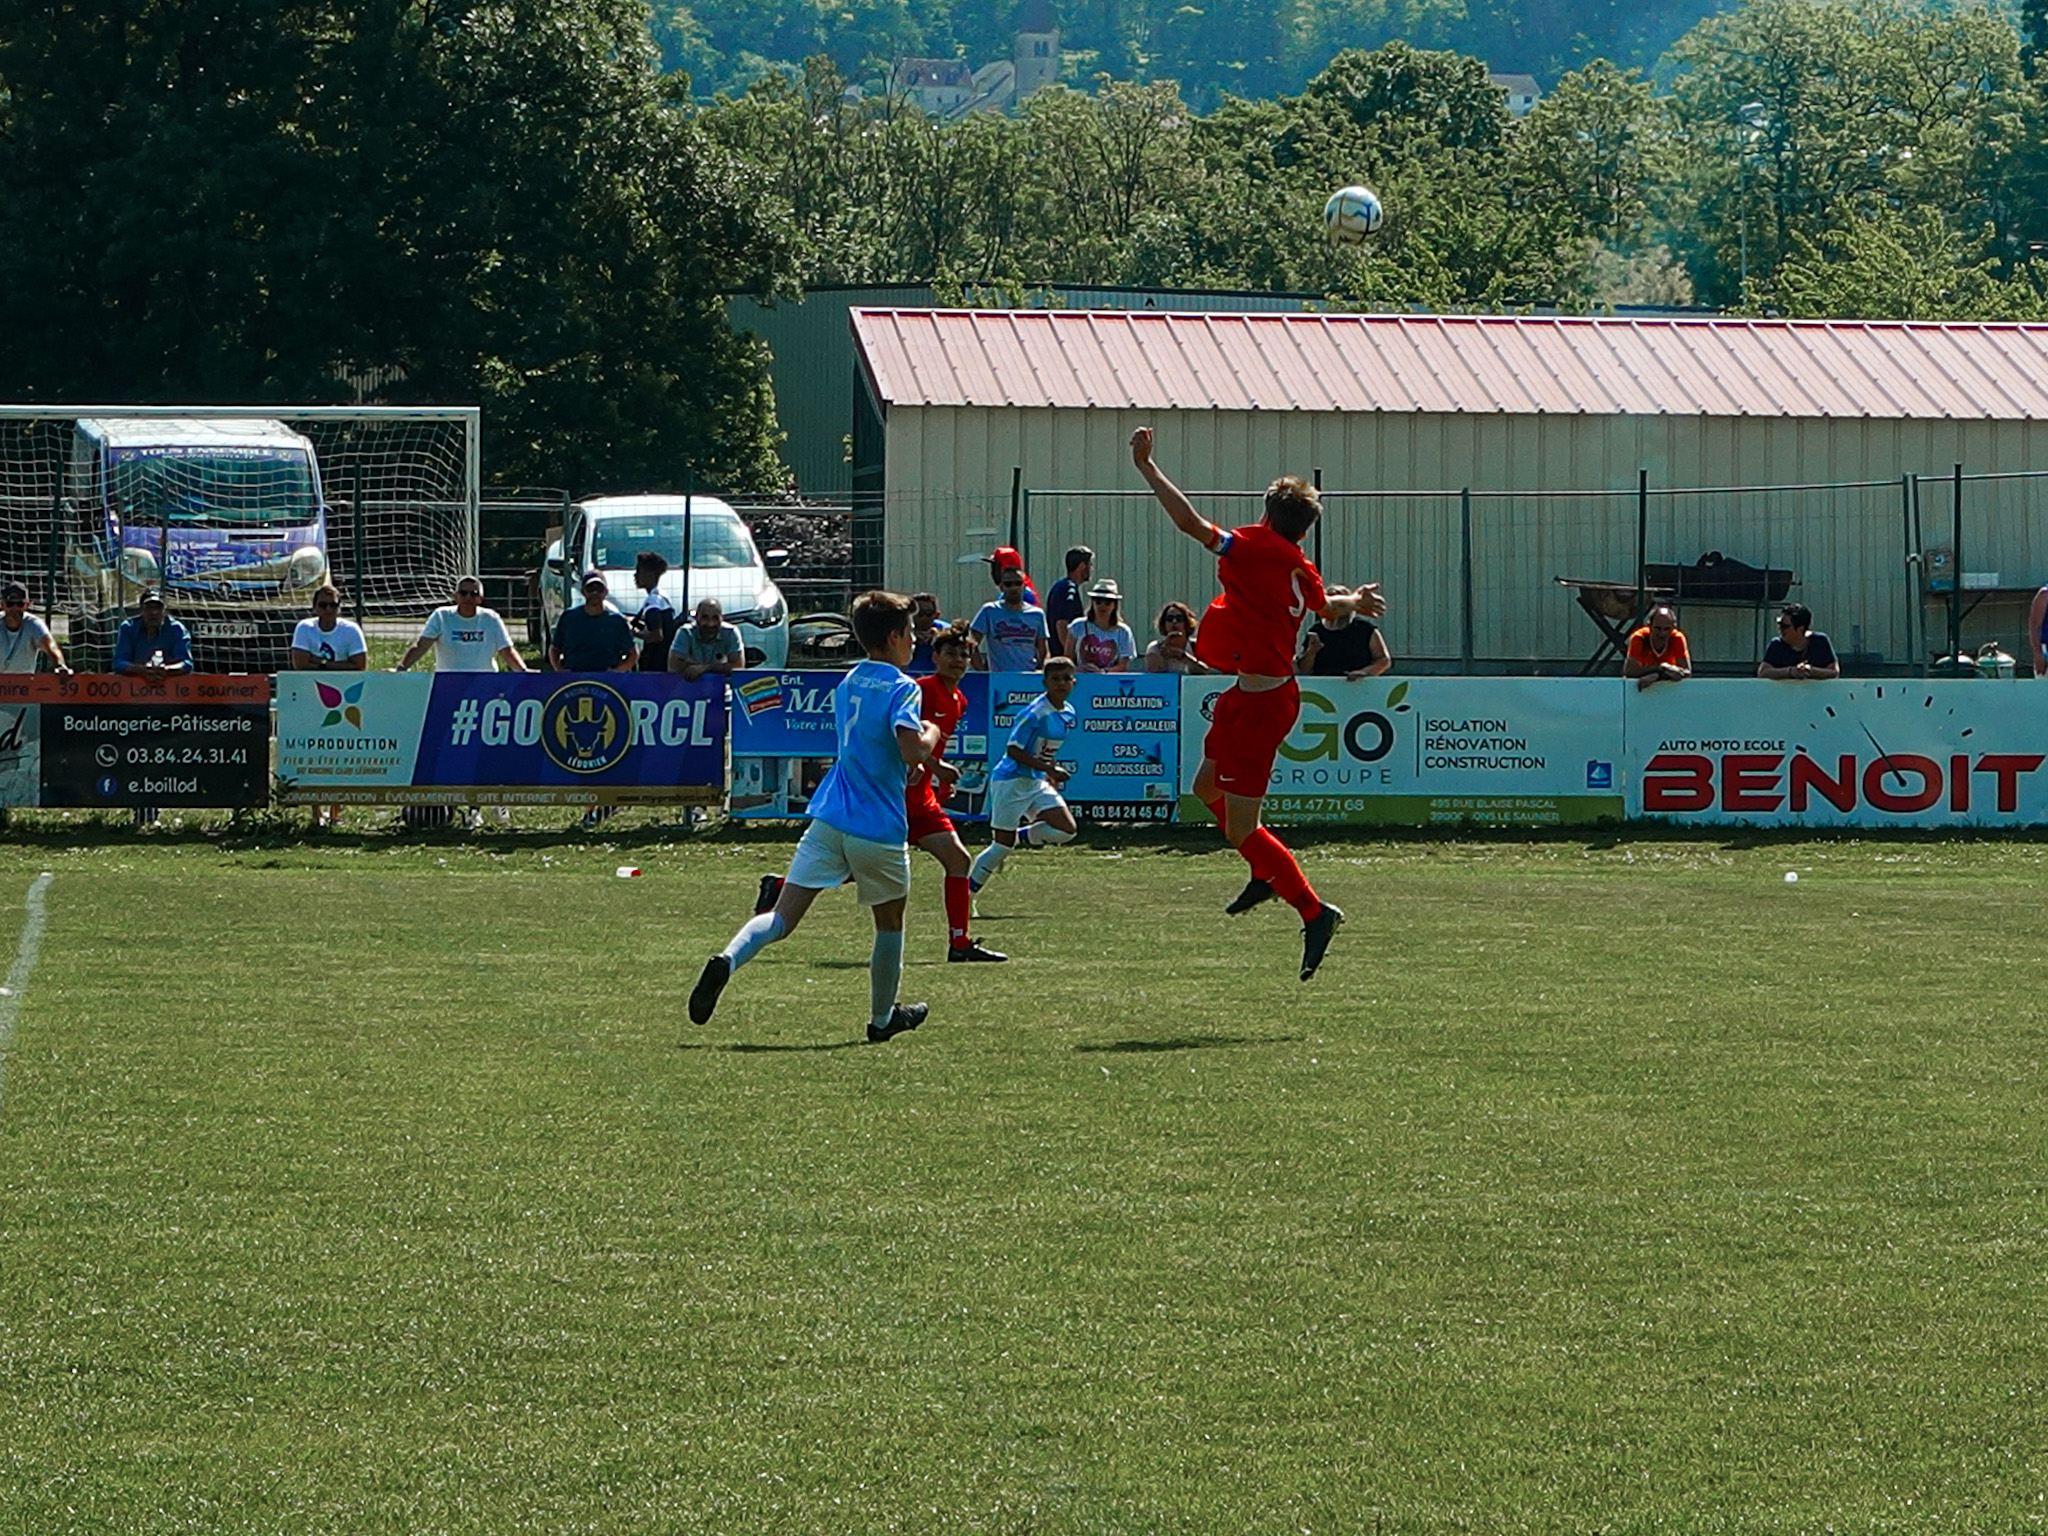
(931,829)
(1269,586)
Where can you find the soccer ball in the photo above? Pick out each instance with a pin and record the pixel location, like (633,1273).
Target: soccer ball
(1351,214)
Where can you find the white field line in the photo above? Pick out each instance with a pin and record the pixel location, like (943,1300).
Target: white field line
(18,973)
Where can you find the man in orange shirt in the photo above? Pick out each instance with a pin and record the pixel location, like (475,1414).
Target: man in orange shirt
(1656,652)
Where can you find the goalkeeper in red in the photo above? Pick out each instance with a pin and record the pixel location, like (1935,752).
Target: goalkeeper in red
(1269,586)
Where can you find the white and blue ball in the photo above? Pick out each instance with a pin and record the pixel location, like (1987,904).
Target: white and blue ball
(1352,215)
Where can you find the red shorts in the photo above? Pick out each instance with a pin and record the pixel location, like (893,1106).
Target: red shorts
(927,816)
(1245,735)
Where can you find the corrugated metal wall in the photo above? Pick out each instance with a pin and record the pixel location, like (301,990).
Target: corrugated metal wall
(948,497)
(811,343)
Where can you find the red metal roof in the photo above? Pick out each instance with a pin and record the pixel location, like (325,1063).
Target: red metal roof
(1455,364)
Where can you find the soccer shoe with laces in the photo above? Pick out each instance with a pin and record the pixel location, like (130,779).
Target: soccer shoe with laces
(903,1018)
(1316,934)
(704,996)
(970,952)
(770,892)
(1255,891)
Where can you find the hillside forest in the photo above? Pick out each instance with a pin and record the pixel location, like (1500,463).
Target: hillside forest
(512,202)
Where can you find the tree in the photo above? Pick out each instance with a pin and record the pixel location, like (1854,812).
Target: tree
(495,200)
(1900,266)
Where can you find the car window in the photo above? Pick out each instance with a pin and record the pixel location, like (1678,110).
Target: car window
(717,543)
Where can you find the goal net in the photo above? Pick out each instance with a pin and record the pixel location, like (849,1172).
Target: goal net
(236,515)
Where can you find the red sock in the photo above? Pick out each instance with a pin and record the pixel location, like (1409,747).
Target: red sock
(1216,810)
(1272,863)
(959,910)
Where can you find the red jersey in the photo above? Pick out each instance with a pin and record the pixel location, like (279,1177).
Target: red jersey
(1269,585)
(941,703)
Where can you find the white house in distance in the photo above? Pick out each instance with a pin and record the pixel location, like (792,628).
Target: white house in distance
(1522,92)
(948,88)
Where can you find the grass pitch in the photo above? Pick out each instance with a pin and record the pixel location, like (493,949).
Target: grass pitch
(371,1187)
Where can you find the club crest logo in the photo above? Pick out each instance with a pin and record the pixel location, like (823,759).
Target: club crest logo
(586,727)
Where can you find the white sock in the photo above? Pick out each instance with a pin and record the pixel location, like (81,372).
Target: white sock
(754,936)
(885,973)
(985,865)
(1043,834)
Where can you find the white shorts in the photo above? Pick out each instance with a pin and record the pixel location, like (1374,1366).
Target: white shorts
(1013,802)
(826,857)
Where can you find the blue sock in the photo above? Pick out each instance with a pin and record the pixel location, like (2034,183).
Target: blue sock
(885,973)
(756,936)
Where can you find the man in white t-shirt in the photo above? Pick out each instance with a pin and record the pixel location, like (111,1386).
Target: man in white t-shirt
(466,637)
(327,642)
(23,636)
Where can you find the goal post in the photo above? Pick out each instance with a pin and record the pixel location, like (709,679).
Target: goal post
(236,513)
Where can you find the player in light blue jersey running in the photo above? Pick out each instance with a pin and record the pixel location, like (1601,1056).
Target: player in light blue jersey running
(1024,791)
(859,827)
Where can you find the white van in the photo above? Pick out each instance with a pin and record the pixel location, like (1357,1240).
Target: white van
(607,533)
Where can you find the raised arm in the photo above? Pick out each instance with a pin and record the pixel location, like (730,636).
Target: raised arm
(1178,507)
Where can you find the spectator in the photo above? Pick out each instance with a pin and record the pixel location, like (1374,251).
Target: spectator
(465,636)
(1343,645)
(2037,632)
(156,646)
(656,623)
(595,637)
(23,636)
(1800,652)
(709,645)
(1004,559)
(1101,641)
(1657,652)
(327,642)
(1064,603)
(925,625)
(1174,650)
(1013,632)
(152,644)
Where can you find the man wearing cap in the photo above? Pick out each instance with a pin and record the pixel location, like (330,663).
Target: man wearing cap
(1004,558)
(152,644)
(1014,637)
(595,637)
(23,636)
(1100,640)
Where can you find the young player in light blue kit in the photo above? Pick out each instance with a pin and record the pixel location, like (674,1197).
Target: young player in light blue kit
(1024,790)
(859,828)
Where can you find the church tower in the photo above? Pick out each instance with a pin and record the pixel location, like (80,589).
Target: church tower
(1037,54)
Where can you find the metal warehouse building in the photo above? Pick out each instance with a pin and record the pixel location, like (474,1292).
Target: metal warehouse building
(1823,451)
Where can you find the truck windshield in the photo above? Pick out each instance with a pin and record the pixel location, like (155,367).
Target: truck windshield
(717,542)
(213,488)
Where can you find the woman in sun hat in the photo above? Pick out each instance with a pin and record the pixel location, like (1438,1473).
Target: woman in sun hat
(1100,641)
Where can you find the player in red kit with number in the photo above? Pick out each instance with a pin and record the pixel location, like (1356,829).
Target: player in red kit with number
(941,703)
(1269,586)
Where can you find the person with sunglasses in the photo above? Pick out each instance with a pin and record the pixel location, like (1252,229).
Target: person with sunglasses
(1100,640)
(24,637)
(465,636)
(1801,653)
(327,642)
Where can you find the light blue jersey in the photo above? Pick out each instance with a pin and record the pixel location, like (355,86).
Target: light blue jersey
(1039,727)
(862,795)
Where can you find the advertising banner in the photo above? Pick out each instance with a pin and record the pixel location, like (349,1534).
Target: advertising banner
(101,741)
(500,738)
(1124,754)
(783,741)
(1417,751)
(1863,752)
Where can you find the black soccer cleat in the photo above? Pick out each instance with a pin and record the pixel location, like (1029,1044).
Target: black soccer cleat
(903,1018)
(1255,891)
(704,996)
(768,895)
(970,952)
(1316,934)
